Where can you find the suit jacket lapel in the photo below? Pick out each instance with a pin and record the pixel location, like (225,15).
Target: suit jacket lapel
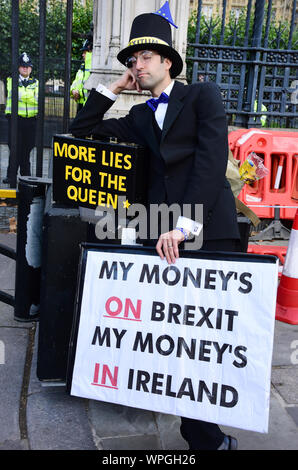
(174,107)
(144,122)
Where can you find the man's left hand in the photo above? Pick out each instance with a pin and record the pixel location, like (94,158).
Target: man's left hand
(167,245)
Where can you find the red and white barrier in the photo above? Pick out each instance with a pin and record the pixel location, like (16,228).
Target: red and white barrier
(287,293)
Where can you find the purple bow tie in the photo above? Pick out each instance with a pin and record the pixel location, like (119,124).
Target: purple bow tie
(154,102)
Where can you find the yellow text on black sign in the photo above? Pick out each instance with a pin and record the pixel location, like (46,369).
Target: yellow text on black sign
(92,176)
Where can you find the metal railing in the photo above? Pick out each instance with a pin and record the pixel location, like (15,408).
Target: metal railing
(52,121)
(257,75)
(6,250)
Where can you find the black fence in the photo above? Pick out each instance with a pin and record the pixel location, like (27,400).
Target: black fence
(54,104)
(55,109)
(256,71)
(53,97)
(53,115)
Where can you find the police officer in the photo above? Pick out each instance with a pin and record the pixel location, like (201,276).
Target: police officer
(27,117)
(77,90)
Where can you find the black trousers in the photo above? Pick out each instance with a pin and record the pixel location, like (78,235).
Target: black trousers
(25,143)
(201,435)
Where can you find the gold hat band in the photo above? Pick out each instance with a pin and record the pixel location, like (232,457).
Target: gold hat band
(146,40)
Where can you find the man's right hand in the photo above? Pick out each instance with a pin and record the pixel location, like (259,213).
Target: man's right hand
(126,82)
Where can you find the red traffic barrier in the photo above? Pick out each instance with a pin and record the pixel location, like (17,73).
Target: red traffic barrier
(233,138)
(287,292)
(279,251)
(279,151)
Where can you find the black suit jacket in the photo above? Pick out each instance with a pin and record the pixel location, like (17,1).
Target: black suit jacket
(193,149)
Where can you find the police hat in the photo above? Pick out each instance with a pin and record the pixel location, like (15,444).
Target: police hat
(24,60)
(87,45)
(152,31)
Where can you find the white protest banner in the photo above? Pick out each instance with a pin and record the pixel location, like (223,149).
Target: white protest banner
(192,339)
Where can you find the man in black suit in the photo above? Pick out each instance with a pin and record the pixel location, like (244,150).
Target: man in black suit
(185,130)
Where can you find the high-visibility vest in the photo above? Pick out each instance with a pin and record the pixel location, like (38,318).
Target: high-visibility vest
(81,77)
(28,98)
(263,118)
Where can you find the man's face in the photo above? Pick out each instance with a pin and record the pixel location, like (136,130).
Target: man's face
(25,71)
(150,69)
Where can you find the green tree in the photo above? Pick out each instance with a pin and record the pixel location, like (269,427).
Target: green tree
(28,28)
(5,38)
(81,25)
(55,33)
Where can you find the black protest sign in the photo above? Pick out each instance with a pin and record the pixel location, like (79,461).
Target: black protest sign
(91,173)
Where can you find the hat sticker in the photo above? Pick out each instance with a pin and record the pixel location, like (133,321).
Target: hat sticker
(165,13)
(25,57)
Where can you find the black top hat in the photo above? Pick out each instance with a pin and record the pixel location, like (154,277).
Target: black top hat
(24,60)
(152,31)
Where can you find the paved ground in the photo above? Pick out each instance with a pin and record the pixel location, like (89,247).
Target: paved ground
(38,417)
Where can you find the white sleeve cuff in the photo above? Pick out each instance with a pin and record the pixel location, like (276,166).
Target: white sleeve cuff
(106,92)
(189,224)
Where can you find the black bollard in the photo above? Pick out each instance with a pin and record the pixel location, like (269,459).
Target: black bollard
(31,194)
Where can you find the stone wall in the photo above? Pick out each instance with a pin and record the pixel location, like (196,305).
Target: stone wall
(112,23)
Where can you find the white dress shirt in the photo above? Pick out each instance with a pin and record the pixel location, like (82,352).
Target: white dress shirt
(183,222)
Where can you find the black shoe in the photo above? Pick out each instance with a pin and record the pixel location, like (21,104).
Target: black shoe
(229,443)
(6,181)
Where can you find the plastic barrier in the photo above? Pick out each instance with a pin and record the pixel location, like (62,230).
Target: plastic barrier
(233,137)
(279,251)
(294,189)
(287,292)
(279,150)
(8,193)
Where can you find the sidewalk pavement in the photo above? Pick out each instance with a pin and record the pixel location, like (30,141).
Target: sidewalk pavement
(38,417)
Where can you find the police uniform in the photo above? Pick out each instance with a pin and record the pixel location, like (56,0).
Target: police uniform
(82,75)
(27,118)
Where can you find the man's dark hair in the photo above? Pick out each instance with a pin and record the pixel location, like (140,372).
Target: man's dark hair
(162,58)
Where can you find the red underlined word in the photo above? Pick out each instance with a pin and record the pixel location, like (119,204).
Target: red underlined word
(106,386)
(122,318)
(115,306)
(105,373)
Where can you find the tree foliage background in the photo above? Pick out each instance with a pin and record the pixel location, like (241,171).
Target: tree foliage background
(55,34)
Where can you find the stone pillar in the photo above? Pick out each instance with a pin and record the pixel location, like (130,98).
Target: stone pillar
(112,23)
